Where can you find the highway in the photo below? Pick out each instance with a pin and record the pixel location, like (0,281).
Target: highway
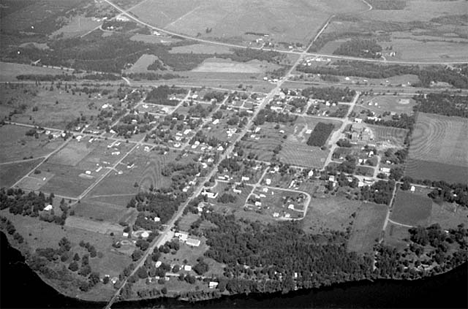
(300,53)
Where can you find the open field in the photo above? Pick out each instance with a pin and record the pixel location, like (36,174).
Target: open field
(56,108)
(367,227)
(389,103)
(227,66)
(389,135)
(439,141)
(100,227)
(284,21)
(11,173)
(201,49)
(9,71)
(448,215)
(331,213)
(302,155)
(394,235)
(16,145)
(141,65)
(76,26)
(411,209)
(100,211)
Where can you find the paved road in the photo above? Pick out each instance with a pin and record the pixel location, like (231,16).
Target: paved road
(164,235)
(301,54)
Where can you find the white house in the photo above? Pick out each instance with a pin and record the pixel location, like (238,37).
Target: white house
(193,242)
(213,284)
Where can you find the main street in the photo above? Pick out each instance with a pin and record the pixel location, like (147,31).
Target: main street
(163,237)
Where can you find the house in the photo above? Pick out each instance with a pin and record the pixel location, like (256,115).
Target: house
(145,234)
(187,268)
(244,178)
(265,189)
(258,204)
(291,206)
(157,219)
(287,215)
(385,169)
(158,263)
(213,284)
(210,194)
(413,188)
(275,215)
(237,191)
(183,236)
(268,181)
(193,242)
(48,208)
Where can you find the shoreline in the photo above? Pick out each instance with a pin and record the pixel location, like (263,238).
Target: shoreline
(199,296)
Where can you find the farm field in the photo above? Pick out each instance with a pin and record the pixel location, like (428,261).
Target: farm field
(411,209)
(284,21)
(141,65)
(11,173)
(331,213)
(439,141)
(100,211)
(367,227)
(201,49)
(17,146)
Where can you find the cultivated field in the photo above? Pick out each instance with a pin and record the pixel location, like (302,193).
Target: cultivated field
(331,213)
(439,141)
(411,209)
(201,49)
(367,227)
(283,21)
(142,63)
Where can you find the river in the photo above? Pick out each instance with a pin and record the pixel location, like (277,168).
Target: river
(22,288)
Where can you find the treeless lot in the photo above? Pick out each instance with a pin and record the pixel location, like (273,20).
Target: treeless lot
(332,213)
(11,173)
(411,209)
(367,227)
(439,148)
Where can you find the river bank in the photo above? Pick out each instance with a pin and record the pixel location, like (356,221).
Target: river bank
(443,291)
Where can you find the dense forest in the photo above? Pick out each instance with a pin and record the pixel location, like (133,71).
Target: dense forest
(360,48)
(446,103)
(331,94)
(320,134)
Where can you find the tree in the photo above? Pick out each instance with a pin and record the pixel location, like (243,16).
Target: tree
(164,290)
(73,266)
(94,278)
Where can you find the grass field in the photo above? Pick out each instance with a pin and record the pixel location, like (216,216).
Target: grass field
(411,209)
(226,66)
(302,155)
(284,21)
(11,173)
(389,103)
(9,71)
(55,109)
(367,227)
(201,49)
(16,145)
(448,215)
(389,135)
(141,65)
(441,141)
(394,235)
(332,213)
(95,210)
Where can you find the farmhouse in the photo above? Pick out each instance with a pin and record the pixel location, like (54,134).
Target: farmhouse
(183,236)
(213,284)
